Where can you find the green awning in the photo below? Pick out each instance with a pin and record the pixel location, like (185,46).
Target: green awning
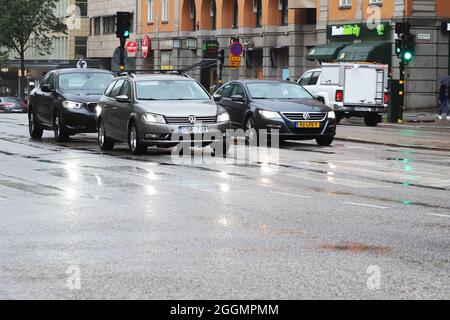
(328,51)
(369,51)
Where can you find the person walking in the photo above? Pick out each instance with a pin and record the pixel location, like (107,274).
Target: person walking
(443,101)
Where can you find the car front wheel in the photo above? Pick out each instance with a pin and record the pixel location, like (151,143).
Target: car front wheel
(324,141)
(36,132)
(104,142)
(136,147)
(59,128)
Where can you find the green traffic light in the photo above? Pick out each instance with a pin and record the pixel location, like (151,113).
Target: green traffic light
(126,33)
(407,56)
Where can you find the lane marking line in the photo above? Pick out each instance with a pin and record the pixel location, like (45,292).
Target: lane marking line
(290,194)
(366,205)
(438,215)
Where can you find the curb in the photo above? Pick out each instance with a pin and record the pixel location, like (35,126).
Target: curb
(409,125)
(392,144)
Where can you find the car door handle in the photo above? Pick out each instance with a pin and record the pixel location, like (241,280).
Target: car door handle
(115,108)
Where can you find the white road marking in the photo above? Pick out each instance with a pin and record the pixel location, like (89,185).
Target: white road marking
(366,205)
(438,215)
(290,194)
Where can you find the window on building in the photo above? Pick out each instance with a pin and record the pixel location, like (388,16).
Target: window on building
(109,24)
(345,4)
(310,16)
(165,11)
(97,24)
(258,13)
(193,14)
(235,15)
(82,8)
(213,13)
(375,2)
(150,11)
(284,12)
(80,47)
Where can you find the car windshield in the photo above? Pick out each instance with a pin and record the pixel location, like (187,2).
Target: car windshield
(277,90)
(11,99)
(170,90)
(85,81)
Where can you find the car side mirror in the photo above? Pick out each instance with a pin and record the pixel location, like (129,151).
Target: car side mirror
(123,99)
(217,97)
(46,88)
(237,98)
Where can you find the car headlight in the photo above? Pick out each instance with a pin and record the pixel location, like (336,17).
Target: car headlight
(154,118)
(269,114)
(223,117)
(331,115)
(72,104)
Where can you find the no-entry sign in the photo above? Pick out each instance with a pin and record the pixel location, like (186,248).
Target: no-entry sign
(146,47)
(132,47)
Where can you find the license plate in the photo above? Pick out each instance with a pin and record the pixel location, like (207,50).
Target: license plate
(308,124)
(362,109)
(193,130)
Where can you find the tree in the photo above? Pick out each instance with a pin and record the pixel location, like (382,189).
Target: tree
(23,20)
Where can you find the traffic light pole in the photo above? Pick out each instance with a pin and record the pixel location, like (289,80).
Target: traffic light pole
(122,53)
(401,91)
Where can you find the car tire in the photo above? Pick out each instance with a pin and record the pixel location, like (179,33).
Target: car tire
(324,141)
(59,128)
(34,129)
(134,143)
(250,132)
(371,120)
(104,142)
(225,145)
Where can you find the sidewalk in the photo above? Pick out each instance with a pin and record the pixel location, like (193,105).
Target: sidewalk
(420,120)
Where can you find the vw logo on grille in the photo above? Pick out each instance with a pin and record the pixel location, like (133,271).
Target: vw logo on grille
(306,116)
(192,119)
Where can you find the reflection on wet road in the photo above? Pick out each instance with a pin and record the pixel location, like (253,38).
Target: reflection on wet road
(306,225)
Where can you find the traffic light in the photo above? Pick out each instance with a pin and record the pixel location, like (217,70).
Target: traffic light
(398,48)
(408,47)
(123,25)
(402,28)
(221,56)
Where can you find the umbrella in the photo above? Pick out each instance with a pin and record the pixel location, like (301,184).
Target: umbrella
(444,80)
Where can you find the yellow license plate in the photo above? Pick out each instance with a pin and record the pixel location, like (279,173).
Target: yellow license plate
(308,124)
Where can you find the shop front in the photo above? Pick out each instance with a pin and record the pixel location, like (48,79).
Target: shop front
(355,42)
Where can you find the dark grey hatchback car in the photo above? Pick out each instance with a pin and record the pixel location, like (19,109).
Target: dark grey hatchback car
(160,110)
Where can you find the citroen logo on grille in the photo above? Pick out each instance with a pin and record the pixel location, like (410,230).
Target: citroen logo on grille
(306,116)
(192,119)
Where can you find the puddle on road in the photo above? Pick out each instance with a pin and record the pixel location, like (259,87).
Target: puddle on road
(27,188)
(356,248)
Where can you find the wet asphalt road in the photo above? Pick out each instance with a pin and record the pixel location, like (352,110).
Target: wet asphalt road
(349,221)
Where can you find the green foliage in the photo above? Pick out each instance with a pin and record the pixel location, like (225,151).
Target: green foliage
(21,20)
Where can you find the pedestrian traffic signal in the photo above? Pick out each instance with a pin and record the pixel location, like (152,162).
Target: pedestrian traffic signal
(221,56)
(123,25)
(398,48)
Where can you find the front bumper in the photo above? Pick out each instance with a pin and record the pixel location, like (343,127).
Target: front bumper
(287,129)
(168,134)
(79,120)
(360,110)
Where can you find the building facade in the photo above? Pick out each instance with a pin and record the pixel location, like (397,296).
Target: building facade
(66,49)
(352,30)
(276,37)
(102,40)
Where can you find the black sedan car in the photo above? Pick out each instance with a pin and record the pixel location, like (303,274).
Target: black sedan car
(67,102)
(286,106)
(12,104)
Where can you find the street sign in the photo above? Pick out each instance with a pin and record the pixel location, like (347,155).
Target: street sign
(116,55)
(235,61)
(236,49)
(81,64)
(146,46)
(210,48)
(132,47)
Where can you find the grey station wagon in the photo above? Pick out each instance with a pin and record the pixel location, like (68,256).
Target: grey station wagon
(160,110)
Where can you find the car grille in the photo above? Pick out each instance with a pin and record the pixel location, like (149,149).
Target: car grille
(92,106)
(185,120)
(298,116)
